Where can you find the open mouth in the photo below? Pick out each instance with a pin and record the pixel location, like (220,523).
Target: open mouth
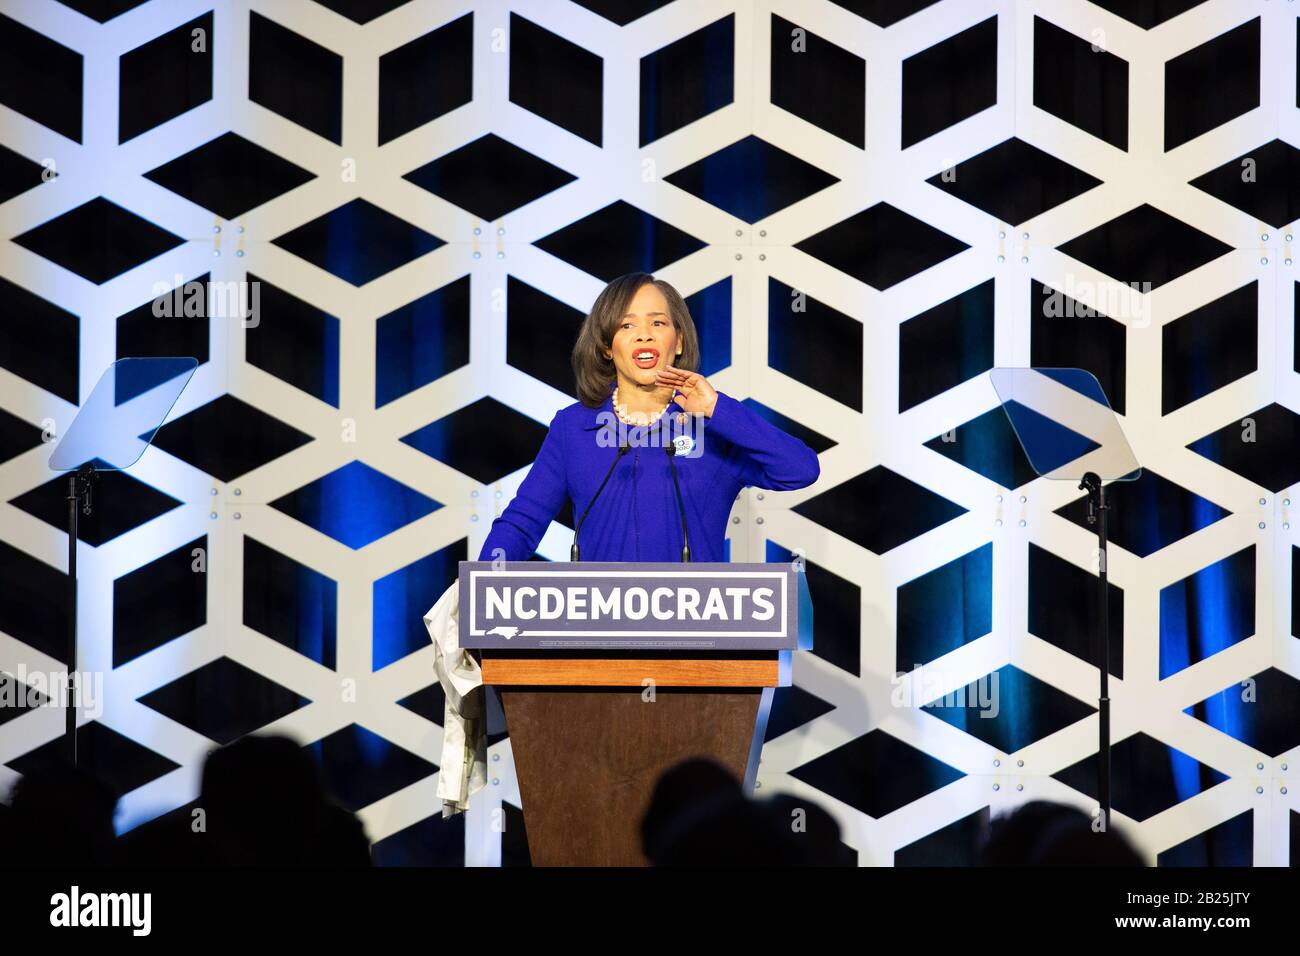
(646,358)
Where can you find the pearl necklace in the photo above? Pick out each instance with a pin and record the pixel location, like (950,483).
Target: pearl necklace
(657,416)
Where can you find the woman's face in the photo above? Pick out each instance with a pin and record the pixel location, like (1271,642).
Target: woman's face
(644,339)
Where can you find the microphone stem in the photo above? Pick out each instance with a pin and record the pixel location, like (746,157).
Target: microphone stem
(573,550)
(681,510)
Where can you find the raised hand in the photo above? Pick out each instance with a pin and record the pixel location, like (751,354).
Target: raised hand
(695,394)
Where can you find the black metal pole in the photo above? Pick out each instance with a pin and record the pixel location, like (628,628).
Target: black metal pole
(79,485)
(70,728)
(1097,508)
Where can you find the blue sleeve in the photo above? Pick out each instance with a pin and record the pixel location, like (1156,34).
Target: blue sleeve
(760,454)
(520,528)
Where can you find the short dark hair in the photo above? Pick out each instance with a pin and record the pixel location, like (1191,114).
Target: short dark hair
(595,374)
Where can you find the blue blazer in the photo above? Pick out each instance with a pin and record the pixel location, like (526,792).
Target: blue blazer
(636,516)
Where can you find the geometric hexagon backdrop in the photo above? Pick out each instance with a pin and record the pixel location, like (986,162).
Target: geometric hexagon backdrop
(868,204)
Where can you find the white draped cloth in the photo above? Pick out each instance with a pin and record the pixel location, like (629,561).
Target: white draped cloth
(463,767)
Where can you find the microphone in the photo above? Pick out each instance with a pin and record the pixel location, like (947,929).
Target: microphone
(573,551)
(686,548)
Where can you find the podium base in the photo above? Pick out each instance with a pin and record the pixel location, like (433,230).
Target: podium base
(587,759)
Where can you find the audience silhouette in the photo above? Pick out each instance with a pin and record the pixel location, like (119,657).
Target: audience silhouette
(699,816)
(59,815)
(1042,833)
(262,802)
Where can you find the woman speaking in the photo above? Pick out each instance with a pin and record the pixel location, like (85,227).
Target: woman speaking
(641,398)
(653,456)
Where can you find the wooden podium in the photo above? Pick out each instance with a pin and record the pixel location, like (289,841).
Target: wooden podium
(598,710)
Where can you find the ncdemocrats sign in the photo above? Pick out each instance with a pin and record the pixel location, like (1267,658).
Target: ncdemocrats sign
(628,605)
